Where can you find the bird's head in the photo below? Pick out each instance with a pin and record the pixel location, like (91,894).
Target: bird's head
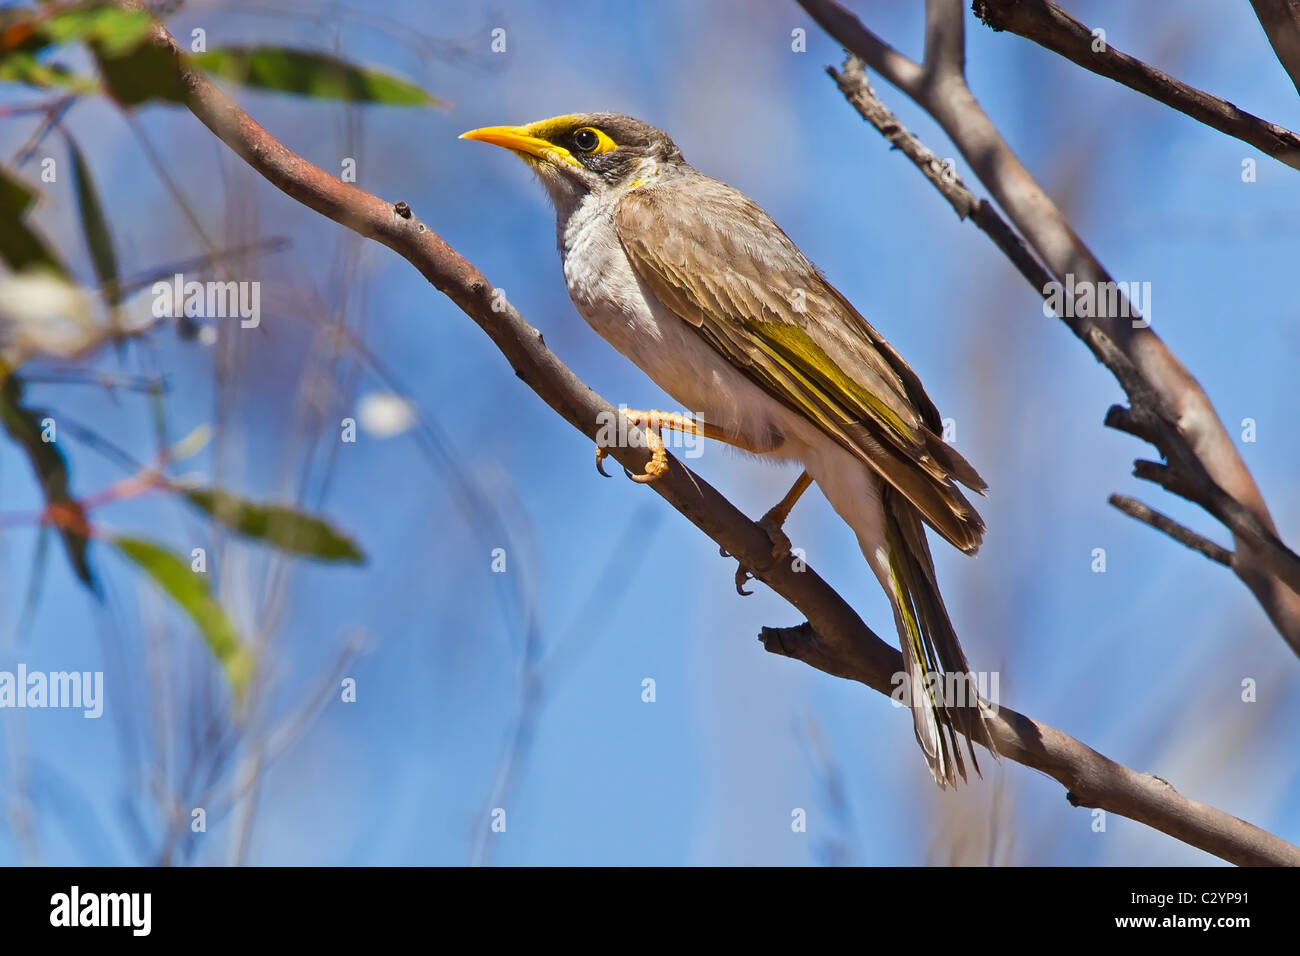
(582,153)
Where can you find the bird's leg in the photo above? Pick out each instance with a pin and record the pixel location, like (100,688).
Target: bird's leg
(652,422)
(776,516)
(772,522)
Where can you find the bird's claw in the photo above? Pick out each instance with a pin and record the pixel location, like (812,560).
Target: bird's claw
(657,466)
(771,525)
(742,578)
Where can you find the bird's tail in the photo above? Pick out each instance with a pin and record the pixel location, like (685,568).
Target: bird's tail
(939,684)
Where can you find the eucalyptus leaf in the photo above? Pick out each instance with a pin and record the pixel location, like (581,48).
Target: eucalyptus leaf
(115,29)
(317,75)
(278,525)
(138,74)
(22,67)
(94,226)
(190,590)
(21,247)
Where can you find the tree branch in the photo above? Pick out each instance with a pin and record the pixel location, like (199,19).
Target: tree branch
(836,640)
(1172,409)
(1183,535)
(1049,26)
(945,40)
(853,83)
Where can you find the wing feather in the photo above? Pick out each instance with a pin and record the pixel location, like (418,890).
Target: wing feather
(740,281)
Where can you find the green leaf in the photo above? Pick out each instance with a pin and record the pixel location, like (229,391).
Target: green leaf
(141,73)
(94,226)
(277,525)
(15,195)
(25,68)
(23,425)
(25,32)
(115,30)
(190,590)
(309,74)
(21,246)
(134,69)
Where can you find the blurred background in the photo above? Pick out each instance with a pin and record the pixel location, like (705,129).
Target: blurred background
(522,689)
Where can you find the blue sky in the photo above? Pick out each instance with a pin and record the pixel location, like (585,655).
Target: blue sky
(605,586)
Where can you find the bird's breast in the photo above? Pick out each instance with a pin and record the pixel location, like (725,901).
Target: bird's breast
(610,295)
(602,283)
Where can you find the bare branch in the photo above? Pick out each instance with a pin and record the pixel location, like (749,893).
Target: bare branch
(945,40)
(1172,409)
(836,640)
(1049,26)
(904,73)
(853,83)
(1090,779)
(1281,21)
(1184,478)
(1180,533)
(857,89)
(1276,556)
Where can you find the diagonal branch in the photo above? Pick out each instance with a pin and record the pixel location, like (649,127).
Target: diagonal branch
(853,83)
(835,640)
(1183,535)
(1049,26)
(1168,407)
(855,86)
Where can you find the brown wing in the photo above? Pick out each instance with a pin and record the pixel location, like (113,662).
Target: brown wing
(713,257)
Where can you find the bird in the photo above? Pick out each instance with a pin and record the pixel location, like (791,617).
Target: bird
(694,283)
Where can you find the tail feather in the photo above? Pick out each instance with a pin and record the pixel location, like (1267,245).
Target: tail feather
(930,650)
(954,464)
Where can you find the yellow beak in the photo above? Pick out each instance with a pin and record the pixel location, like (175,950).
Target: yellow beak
(521,140)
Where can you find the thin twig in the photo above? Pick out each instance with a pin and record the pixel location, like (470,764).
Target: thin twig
(1050,27)
(194,263)
(1180,533)
(53,114)
(853,83)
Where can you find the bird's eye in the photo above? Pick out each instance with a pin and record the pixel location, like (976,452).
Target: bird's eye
(586,139)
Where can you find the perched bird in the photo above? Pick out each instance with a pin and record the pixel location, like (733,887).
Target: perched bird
(695,284)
